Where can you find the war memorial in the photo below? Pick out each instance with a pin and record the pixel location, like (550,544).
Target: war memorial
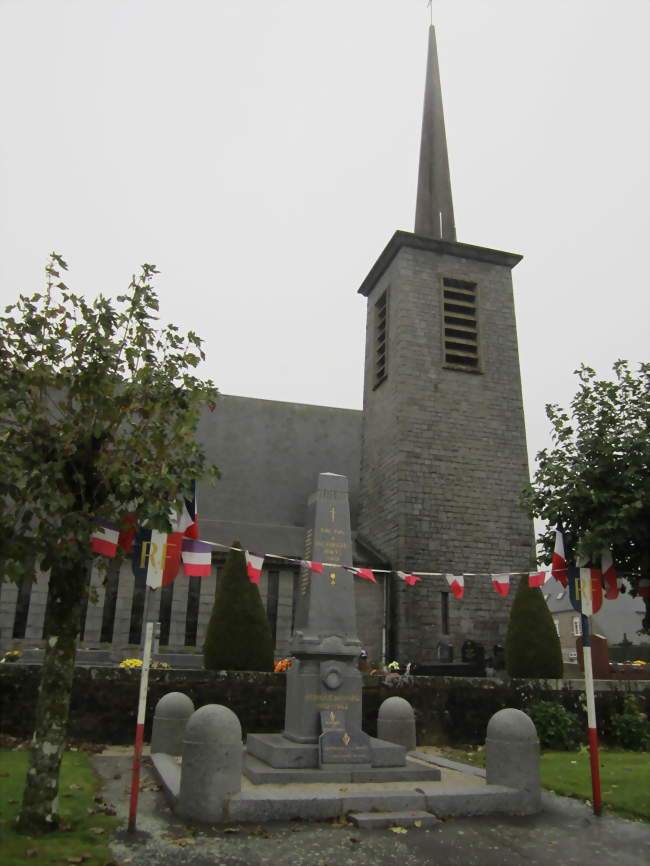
(323,745)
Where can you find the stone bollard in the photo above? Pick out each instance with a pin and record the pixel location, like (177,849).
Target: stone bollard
(396,723)
(512,757)
(169,720)
(212,764)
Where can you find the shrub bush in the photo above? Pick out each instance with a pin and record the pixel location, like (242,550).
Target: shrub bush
(631,729)
(532,644)
(238,637)
(557,727)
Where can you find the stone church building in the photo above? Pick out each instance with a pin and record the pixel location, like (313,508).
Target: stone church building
(435,461)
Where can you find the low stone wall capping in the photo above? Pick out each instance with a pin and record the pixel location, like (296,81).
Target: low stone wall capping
(448,710)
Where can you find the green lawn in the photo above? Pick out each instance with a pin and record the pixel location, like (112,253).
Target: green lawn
(624,779)
(83,837)
(623,776)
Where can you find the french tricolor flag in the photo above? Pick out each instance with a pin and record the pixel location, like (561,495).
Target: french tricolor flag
(457,584)
(365,573)
(254,565)
(104,539)
(197,558)
(558,561)
(501,583)
(188,520)
(609,575)
(410,579)
(316,567)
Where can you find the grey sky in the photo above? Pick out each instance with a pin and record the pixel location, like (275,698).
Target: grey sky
(263,153)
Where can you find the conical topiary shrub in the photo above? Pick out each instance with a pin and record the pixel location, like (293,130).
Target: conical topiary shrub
(532,643)
(238,635)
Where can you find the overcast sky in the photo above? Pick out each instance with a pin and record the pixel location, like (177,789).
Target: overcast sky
(262,153)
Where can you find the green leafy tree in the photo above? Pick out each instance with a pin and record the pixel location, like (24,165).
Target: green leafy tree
(595,479)
(98,412)
(238,636)
(532,643)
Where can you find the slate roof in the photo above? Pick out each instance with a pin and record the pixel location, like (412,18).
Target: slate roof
(270,454)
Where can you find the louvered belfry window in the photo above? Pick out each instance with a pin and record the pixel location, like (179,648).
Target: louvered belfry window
(381,339)
(460,324)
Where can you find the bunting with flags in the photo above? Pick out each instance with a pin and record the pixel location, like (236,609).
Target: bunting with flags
(254,565)
(197,558)
(410,579)
(538,578)
(501,584)
(457,584)
(316,567)
(365,573)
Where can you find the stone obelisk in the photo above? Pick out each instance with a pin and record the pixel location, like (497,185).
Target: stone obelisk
(325,645)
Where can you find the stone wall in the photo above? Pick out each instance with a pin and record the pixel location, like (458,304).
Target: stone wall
(447,710)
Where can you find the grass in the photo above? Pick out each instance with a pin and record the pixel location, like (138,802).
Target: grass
(86,824)
(623,777)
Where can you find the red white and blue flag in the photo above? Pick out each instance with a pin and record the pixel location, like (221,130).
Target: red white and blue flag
(586,590)
(254,565)
(197,558)
(501,583)
(410,579)
(457,584)
(558,561)
(610,577)
(188,520)
(156,557)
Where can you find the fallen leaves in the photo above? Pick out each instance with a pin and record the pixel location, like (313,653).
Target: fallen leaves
(398,829)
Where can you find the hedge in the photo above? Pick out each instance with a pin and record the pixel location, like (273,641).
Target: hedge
(452,710)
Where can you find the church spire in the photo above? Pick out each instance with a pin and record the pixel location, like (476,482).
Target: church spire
(434,211)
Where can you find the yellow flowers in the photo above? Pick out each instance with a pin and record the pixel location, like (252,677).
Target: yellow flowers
(12,656)
(131,664)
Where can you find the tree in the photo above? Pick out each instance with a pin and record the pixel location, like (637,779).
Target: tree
(98,412)
(532,643)
(595,480)
(238,636)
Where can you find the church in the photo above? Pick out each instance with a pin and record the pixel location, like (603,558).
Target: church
(435,461)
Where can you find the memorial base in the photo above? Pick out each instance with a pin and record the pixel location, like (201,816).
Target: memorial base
(272,759)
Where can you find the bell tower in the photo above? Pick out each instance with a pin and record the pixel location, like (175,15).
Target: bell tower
(444,445)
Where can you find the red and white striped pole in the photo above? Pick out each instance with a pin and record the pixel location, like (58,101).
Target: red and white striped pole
(142,710)
(592,731)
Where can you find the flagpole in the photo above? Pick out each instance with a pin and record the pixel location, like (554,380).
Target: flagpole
(142,709)
(591,715)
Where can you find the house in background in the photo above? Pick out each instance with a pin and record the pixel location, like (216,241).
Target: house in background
(618,621)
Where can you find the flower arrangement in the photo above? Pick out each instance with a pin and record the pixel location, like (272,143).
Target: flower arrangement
(11,656)
(131,664)
(161,666)
(394,667)
(282,665)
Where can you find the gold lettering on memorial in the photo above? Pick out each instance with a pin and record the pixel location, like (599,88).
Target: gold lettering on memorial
(333,513)
(346,739)
(332,578)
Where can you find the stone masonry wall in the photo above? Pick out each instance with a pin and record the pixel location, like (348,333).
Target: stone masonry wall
(444,453)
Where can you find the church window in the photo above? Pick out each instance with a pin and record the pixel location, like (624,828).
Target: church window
(460,324)
(444,612)
(381,343)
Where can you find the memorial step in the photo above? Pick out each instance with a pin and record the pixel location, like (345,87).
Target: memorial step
(382,820)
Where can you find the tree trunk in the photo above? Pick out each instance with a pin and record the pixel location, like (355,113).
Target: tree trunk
(39,812)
